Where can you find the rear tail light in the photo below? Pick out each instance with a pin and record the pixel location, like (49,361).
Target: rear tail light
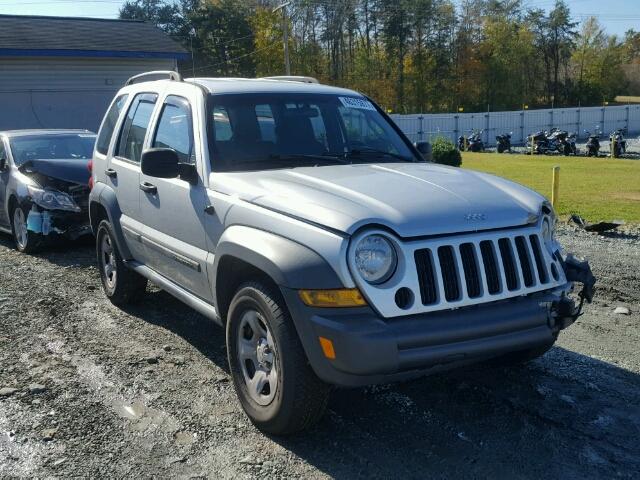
(90,168)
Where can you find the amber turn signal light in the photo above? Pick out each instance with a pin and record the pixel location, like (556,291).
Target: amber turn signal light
(327,348)
(336,298)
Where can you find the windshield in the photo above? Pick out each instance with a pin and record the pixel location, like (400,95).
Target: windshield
(47,147)
(263,131)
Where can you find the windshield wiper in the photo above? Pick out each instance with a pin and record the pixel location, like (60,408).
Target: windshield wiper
(359,152)
(326,158)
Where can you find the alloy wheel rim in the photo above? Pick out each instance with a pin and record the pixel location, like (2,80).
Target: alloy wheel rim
(257,357)
(108,258)
(20,228)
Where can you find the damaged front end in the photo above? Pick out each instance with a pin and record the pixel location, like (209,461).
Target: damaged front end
(565,311)
(56,206)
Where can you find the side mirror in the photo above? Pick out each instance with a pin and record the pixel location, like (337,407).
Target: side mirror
(3,164)
(160,163)
(425,150)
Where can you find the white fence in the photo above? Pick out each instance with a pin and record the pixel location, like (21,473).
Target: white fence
(522,123)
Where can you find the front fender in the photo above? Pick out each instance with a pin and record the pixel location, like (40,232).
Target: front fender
(288,263)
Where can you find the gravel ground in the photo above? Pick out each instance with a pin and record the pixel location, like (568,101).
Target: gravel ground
(88,390)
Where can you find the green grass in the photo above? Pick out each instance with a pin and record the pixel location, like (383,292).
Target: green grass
(595,188)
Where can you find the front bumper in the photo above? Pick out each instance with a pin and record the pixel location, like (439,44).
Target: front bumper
(370,349)
(70,225)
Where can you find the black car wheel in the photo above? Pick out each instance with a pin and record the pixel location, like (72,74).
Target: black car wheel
(26,240)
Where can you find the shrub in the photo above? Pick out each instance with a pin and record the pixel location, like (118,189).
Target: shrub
(445,152)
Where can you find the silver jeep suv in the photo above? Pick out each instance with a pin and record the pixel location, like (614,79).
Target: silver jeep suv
(301,219)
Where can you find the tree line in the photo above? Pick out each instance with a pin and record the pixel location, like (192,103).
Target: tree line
(409,55)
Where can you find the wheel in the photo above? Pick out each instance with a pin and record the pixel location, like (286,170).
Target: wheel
(500,148)
(567,149)
(26,240)
(276,386)
(521,356)
(121,284)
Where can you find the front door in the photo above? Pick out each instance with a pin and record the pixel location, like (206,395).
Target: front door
(4,183)
(173,209)
(124,169)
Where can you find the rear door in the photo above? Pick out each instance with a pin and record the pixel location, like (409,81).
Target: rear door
(123,171)
(173,212)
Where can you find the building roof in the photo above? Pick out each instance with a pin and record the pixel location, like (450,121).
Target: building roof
(22,35)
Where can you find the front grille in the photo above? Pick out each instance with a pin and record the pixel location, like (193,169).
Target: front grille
(501,266)
(426,276)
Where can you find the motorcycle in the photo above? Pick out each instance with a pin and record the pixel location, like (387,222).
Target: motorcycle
(504,142)
(472,143)
(543,142)
(566,143)
(618,143)
(593,143)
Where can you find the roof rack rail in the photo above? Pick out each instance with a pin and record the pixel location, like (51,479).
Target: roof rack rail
(294,78)
(175,76)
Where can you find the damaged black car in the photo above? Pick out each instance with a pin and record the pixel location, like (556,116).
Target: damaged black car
(44,185)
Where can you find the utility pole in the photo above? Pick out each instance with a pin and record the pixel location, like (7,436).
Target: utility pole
(285,35)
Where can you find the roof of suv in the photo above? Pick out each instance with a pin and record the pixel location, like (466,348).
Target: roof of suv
(264,85)
(251,85)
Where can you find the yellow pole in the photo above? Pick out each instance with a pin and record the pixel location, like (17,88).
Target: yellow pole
(533,145)
(555,185)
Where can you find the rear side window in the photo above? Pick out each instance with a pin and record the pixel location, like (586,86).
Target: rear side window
(175,129)
(135,127)
(109,124)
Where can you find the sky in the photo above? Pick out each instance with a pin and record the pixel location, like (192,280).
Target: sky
(617,16)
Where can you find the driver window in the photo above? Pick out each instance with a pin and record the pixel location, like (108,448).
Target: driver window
(175,130)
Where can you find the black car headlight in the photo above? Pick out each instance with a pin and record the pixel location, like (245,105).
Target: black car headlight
(52,199)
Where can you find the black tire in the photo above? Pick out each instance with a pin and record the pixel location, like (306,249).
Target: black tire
(26,241)
(521,356)
(126,286)
(500,148)
(567,149)
(299,398)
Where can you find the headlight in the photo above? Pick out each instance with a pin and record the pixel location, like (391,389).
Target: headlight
(52,199)
(375,258)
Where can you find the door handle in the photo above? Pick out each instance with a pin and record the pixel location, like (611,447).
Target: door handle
(110,172)
(210,210)
(148,188)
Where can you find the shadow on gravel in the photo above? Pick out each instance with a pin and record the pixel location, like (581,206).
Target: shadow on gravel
(64,253)
(565,415)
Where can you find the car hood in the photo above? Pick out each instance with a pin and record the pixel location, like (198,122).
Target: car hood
(412,199)
(71,171)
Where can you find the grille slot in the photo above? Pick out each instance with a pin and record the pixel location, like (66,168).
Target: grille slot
(471,272)
(490,266)
(426,276)
(449,273)
(537,255)
(508,263)
(525,262)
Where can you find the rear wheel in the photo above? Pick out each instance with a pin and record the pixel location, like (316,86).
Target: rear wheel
(121,284)
(276,386)
(26,240)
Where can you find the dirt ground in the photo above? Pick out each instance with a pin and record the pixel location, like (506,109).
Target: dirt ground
(89,390)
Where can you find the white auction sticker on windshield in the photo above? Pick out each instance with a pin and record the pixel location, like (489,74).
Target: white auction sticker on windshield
(360,103)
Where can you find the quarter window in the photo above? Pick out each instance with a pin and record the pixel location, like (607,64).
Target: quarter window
(175,129)
(109,125)
(135,128)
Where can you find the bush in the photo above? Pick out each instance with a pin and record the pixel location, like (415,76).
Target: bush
(445,152)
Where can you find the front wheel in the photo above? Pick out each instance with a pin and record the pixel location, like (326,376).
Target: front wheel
(26,240)
(276,386)
(121,285)
(500,148)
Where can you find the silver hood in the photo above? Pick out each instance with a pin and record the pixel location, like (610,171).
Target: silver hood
(412,199)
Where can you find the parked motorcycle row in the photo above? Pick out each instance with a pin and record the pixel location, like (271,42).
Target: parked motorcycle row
(549,142)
